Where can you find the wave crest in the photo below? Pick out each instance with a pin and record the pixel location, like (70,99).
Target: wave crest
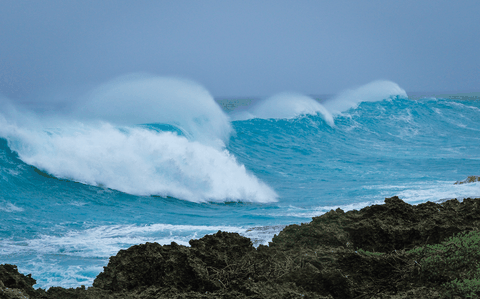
(372,92)
(143,99)
(140,162)
(100,142)
(285,106)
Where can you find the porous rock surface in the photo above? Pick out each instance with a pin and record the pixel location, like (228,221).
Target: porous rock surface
(470,179)
(392,226)
(320,259)
(15,285)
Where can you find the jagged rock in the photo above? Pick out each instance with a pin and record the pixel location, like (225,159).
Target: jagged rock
(470,179)
(321,259)
(152,264)
(16,285)
(186,269)
(220,249)
(392,226)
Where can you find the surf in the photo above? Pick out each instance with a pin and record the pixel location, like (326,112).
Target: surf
(287,105)
(102,143)
(372,92)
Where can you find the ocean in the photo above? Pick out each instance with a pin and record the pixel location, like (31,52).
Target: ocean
(152,159)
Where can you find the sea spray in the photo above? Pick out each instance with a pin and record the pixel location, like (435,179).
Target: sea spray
(100,143)
(286,105)
(63,232)
(143,99)
(141,162)
(372,92)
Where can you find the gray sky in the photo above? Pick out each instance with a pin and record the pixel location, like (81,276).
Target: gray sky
(240,48)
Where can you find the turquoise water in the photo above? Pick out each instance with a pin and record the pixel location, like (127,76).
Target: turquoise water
(77,187)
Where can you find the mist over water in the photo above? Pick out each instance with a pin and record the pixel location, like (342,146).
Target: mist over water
(141,99)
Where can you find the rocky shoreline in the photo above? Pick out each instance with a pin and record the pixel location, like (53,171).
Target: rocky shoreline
(380,251)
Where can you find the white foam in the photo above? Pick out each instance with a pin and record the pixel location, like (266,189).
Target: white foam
(284,106)
(67,276)
(107,240)
(412,193)
(262,235)
(82,253)
(371,92)
(89,145)
(9,207)
(138,161)
(441,191)
(452,103)
(320,210)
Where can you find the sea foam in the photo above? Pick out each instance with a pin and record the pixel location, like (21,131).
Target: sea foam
(95,145)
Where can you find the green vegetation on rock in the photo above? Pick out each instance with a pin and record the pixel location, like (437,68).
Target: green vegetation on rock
(361,251)
(454,263)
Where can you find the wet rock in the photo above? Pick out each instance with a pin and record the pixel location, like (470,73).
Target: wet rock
(152,264)
(16,285)
(392,226)
(222,248)
(325,232)
(470,179)
(355,254)
(174,266)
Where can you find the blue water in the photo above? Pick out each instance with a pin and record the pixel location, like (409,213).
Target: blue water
(77,187)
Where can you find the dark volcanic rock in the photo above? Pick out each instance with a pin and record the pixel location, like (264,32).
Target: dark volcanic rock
(16,285)
(392,226)
(357,254)
(220,249)
(174,266)
(470,179)
(152,264)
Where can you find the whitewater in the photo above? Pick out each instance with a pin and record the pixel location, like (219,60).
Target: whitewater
(154,159)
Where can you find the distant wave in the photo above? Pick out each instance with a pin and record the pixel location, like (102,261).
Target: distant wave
(372,92)
(284,106)
(292,105)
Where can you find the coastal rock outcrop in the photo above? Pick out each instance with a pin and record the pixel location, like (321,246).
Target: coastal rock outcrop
(174,266)
(470,179)
(395,225)
(14,285)
(372,253)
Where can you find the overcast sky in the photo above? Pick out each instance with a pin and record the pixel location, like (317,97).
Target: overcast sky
(240,48)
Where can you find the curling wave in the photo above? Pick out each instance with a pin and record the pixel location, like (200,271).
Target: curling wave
(285,106)
(372,92)
(100,145)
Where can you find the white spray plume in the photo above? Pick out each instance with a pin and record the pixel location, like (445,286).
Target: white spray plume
(285,105)
(371,92)
(98,144)
(141,99)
